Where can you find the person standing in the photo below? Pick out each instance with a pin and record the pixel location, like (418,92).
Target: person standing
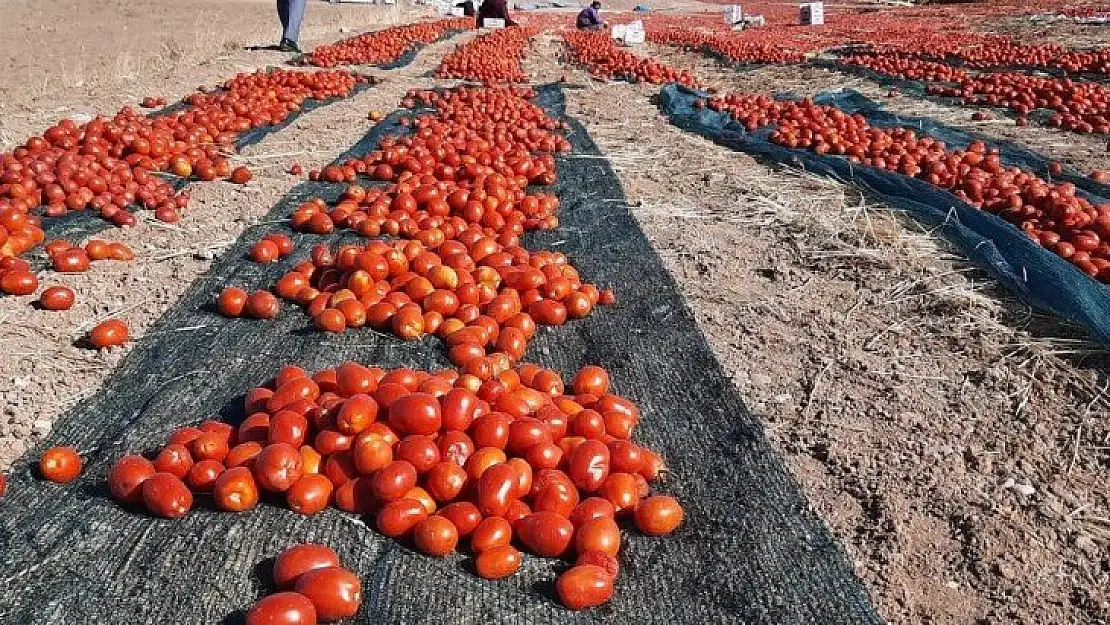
(496,9)
(589,18)
(291,13)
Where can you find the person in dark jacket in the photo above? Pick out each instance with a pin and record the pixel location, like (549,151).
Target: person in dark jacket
(467,7)
(496,9)
(589,18)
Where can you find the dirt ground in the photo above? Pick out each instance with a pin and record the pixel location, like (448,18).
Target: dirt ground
(957,443)
(930,423)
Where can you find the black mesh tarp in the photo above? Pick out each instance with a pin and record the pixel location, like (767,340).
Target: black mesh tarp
(750,550)
(1038,277)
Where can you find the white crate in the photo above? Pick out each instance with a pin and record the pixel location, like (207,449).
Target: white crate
(493,22)
(733,14)
(812,13)
(630,34)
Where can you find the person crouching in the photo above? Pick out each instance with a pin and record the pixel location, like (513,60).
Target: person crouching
(497,9)
(590,18)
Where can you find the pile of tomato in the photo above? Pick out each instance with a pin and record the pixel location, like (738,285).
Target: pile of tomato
(107,164)
(597,51)
(735,48)
(906,66)
(1055,56)
(497,455)
(490,58)
(1051,214)
(501,458)
(383,46)
(1082,107)
(458,198)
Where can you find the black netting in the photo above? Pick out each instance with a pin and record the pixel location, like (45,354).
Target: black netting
(750,551)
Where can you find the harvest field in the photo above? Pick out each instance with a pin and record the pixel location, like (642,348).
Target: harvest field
(790,324)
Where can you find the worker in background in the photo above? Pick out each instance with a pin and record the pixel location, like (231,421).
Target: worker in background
(589,18)
(290,12)
(467,7)
(496,9)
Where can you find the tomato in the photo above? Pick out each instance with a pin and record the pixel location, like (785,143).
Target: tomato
(235,490)
(209,446)
(463,515)
(232,302)
(57,298)
(435,536)
(600,534)
(310,494)
(165,495)
(658,515)
(283,608)
(262,305)
(126,478)
(241,175)
(416,413)
(491,430)
(457,409)
(498,562)
(497,487)
(265,251)
(356,414)
(394,480)
(60,464)
(590,509)
(278,467)
(73,260)
(330,320)
(297,560)
(590,380)
(481,460)
(287,427)
(174,458)
(202,476)
(545,534)
(397,518)
(589,465)
(584,586)
(243,455)
(335,592)
(445,481)
(420,451)
(603,560)
(492,532)
(557,498)
(109,333)
(18,282)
